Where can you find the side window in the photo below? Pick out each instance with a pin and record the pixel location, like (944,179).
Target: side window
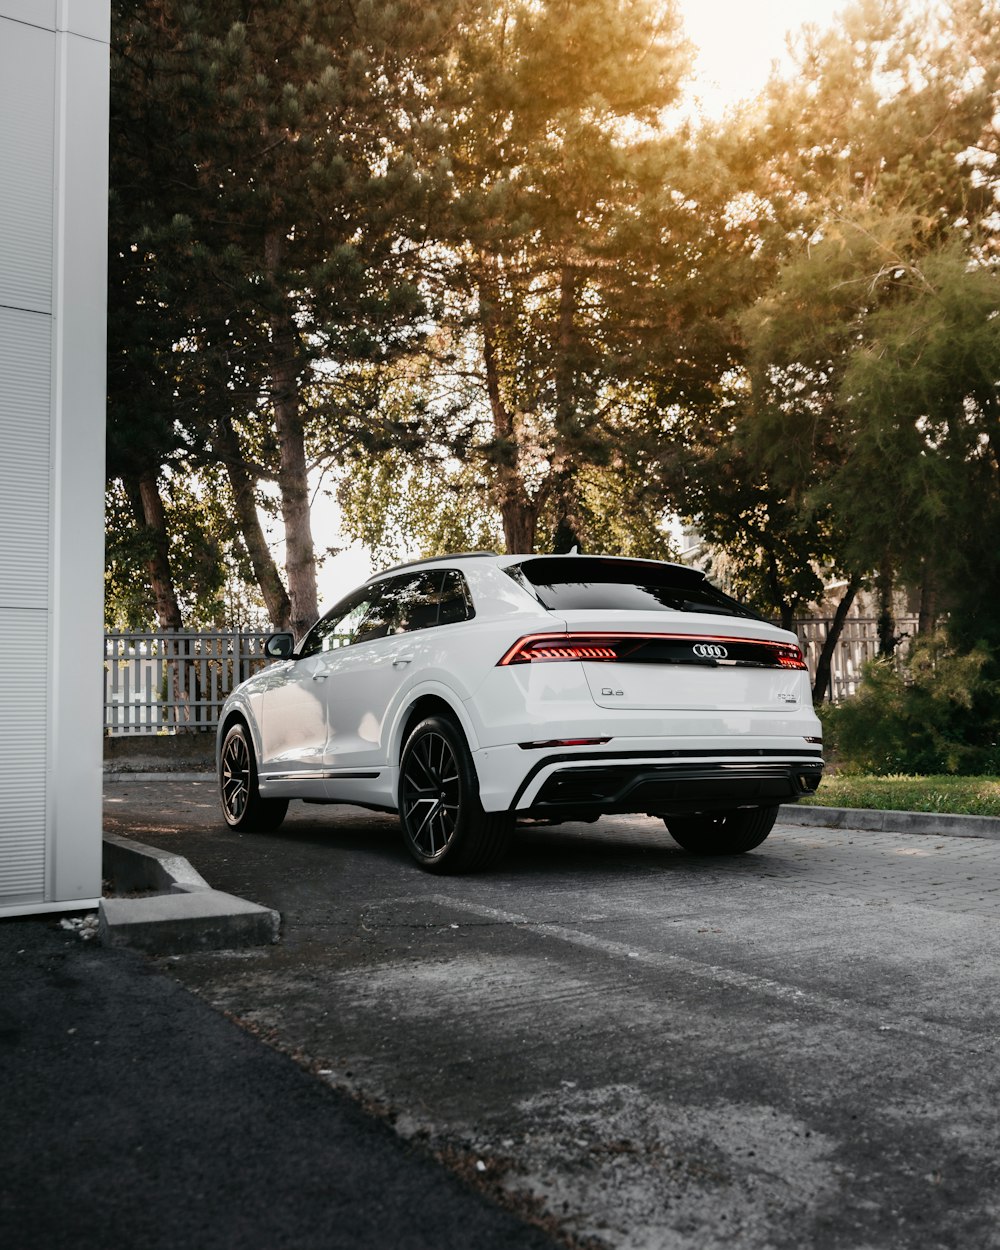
(412,602)
(340,627)
(422,600)
(377,619)
(395,606)
(456,602)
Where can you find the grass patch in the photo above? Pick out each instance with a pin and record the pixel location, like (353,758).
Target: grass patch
(965,796)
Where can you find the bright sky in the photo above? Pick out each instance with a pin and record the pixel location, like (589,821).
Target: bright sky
(737,42)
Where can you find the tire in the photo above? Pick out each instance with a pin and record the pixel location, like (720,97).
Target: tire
(729,833)
(242,806)
(444,826)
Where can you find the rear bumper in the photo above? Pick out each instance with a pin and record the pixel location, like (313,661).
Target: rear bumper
(586,784)
(673,789)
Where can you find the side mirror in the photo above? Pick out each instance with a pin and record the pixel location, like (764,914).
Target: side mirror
(279,646)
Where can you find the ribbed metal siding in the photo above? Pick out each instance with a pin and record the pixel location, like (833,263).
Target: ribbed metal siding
(27,121)
(23,680)
(36,12)
(25,465)
(27,145)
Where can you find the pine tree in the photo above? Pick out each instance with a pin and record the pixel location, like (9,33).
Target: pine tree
(561,239)
(262,188)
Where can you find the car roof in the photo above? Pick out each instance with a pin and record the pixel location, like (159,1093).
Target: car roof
(505,561)
(431,560)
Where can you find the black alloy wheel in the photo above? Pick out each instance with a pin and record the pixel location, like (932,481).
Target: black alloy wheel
(729,833)
(242,805)
(444,825)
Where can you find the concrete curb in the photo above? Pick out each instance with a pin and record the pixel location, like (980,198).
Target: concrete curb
(870,820)
(185,914)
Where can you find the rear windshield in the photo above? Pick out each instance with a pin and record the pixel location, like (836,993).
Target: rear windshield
(582,582)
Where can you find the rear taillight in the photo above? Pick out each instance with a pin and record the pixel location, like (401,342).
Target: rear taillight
(790,657)
(711,650)
(539,647)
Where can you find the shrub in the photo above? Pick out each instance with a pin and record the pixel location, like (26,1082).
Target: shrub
(941,714)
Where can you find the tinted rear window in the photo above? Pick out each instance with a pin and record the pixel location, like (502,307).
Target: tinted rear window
(589,582)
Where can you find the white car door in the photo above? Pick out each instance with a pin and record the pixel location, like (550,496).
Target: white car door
(292,716)
(369,678)
(293,708)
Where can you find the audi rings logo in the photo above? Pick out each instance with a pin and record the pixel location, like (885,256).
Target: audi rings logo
(710,651)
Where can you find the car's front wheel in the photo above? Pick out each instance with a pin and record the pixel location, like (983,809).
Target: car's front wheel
(242,805)
(729,833)
(444,826)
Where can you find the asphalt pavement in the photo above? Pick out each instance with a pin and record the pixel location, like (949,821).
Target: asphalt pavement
(135,1117)
(796,1047)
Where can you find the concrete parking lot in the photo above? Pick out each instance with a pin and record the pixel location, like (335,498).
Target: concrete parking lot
(796,1047)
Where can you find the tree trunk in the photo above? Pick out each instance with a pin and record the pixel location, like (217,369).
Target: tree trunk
(519,524)
(567,535)
(144,493)
(300,557)
(567,532)
(886,617)
(821,685)
(518,511)
(786,607)
(146,502)
(276,600)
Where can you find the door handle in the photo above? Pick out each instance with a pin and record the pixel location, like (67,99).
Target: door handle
(400,660)
(320,676)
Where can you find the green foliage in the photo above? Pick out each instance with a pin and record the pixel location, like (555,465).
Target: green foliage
(212,578)
(402,508)
(767,547)
(620,515)
(128,599)
(261,215)
(941,715)
(571,243)
(399,507)
(458,255)
(861,433)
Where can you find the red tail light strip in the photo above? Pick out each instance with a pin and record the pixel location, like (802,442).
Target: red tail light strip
(609,647)
(533,651)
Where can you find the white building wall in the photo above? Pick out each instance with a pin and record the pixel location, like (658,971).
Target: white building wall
(53,279)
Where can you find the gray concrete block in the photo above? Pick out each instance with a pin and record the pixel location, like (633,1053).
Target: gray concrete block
(172,924)
(185,913)
(135,866)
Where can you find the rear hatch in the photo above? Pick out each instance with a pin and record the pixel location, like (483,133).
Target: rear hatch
(657,636)
(719,664)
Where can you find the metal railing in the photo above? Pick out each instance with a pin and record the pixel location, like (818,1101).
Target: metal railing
(167,682)
(174,682)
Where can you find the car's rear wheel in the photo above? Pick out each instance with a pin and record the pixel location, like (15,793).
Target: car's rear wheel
(242,805)
(729,833)
(444,826)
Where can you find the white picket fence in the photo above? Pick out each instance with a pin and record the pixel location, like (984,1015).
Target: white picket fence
(858,643)
(174,682)
(166,682)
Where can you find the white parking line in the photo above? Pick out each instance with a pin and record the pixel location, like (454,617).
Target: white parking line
(859,1014)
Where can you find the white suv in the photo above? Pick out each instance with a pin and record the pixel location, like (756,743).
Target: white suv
(468,691)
